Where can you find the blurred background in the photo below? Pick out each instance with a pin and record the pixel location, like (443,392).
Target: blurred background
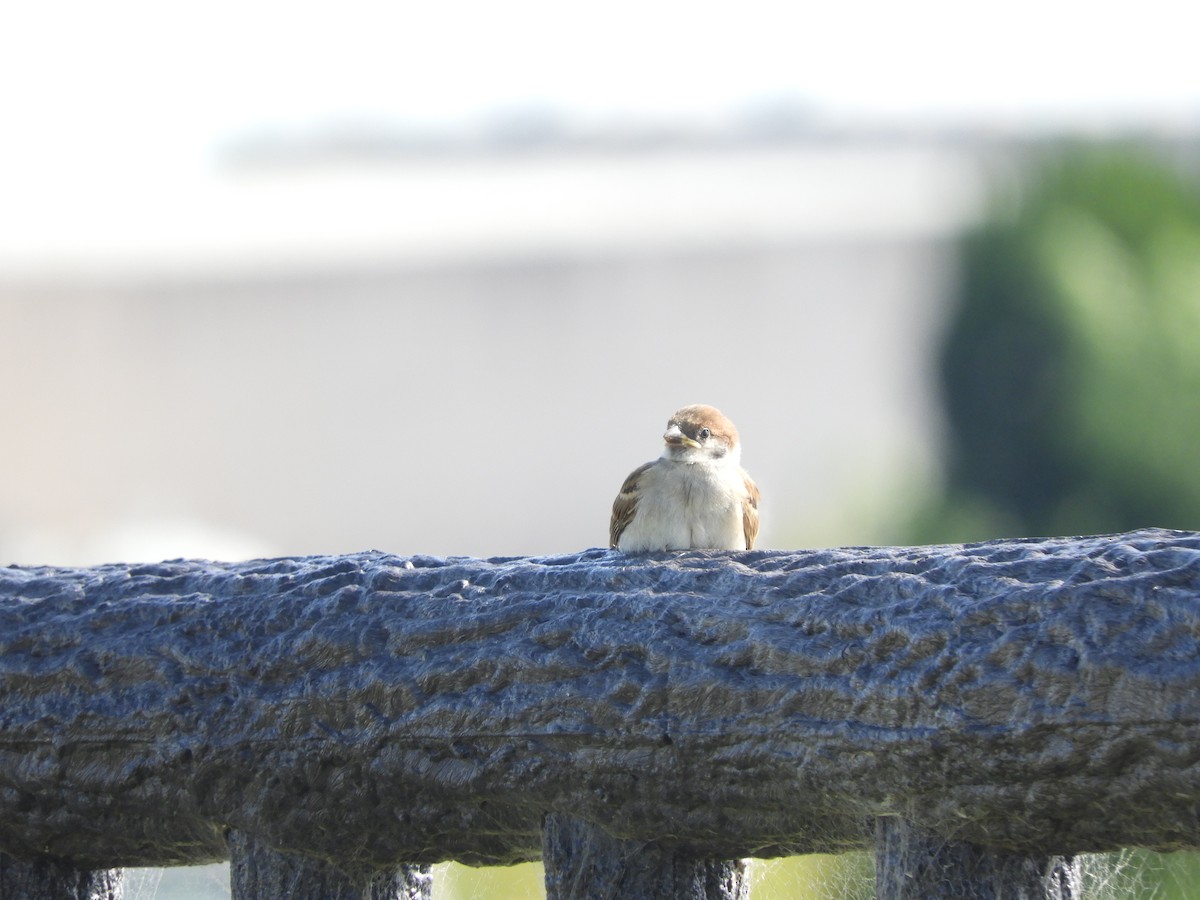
(280,279)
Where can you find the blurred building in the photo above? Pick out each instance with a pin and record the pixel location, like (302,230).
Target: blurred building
(465,353)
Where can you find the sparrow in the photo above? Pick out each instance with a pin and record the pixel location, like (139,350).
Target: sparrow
(695,496)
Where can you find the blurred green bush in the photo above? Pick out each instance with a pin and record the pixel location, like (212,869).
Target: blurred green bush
(1071,365)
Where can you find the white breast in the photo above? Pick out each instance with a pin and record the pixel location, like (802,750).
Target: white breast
(688,506)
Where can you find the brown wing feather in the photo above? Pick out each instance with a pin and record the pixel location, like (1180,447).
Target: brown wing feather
(750,511)
(625,505)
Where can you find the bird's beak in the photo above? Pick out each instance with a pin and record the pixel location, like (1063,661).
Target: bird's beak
(677,438)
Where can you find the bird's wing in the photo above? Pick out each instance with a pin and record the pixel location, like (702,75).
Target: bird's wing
(625,505)
(750,511)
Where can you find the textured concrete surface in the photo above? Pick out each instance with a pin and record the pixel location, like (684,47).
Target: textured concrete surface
(582,862)
(914,864)
(1033,696)
(48,879)
(257,872)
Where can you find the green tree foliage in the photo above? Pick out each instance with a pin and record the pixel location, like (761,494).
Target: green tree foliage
(1071,365)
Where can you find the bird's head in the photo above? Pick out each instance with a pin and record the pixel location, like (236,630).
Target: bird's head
(701,433)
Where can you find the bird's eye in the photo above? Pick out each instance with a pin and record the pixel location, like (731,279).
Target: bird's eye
(703,434)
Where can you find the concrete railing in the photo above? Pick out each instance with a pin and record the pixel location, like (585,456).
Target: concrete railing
(977,713)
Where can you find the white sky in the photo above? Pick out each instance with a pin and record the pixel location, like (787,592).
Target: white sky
(112,113)
(162,84)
